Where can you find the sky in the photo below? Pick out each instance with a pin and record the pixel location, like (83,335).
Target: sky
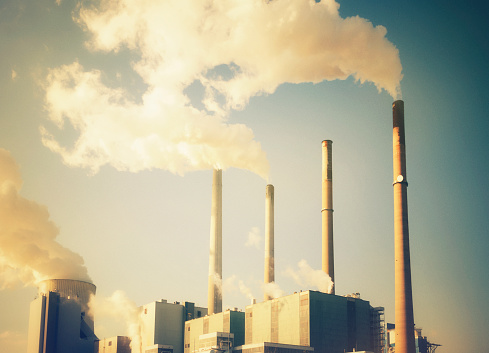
(114,113)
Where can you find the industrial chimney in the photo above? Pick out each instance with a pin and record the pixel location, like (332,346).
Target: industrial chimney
(269,238)
(327,211)
(404,317)
(214,299)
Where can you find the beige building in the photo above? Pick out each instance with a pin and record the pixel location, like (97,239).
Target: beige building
(326,322)
(117,344)
(228,322)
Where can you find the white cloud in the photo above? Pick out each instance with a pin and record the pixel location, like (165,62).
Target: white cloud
(29,251)
(235,49)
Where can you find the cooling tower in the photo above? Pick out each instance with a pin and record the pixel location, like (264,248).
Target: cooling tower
(59,319)
(269,238)
(404,317)
(69,289)
(327,211)
(214,294)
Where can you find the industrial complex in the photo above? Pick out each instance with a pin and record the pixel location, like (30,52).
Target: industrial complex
(302,322)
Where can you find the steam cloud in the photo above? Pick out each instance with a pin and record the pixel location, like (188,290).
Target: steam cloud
(231,49)
(117,308)
(273,290)
(29,252)
(307,276)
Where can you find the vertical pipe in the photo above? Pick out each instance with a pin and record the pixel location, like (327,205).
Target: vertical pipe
(404,317)
(327,210)
(214,294)
(269,238)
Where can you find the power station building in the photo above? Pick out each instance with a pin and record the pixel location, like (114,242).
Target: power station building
(326,322)
(229,326)
(162,325)
(59,320)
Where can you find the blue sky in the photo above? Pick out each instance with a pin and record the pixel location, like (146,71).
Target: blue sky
(147,233)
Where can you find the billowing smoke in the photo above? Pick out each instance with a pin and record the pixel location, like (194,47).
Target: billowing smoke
(115,310)
(29,251)
(231,50)
(306,276)
(273,290)
(232,283)
(244,289)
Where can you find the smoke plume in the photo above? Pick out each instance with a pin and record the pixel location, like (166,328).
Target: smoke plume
(113,310)
(273,290)
(29,251)
(245,290)
(231,49)
(306,276)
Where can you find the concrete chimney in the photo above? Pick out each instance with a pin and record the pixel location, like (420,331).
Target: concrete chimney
(269,238)
(404,317)
(327,211)
(214,294)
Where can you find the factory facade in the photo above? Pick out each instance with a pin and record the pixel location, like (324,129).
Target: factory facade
(162,325)
(59,319)
(328,323)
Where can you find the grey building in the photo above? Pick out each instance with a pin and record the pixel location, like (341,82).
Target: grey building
(326,322)
(162,325)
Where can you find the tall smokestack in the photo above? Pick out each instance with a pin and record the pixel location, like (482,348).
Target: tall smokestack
(327,211)
(269,238)
(404,298)
(214,299)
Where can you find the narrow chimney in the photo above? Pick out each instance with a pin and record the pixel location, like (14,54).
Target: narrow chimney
(404,317)
(269,238)
(214,298)
(327,211)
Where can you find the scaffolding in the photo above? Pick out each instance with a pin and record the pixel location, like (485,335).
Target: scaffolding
(377,329)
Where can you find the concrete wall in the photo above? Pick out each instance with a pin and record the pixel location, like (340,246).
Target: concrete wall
(163,323)
(118,344)
(36,322)
(329,323)
(55,324)
(227,321)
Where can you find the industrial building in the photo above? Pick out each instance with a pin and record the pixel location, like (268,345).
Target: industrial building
(59,320)
(230,322)
(421,342)
(303,322)
(117,344)
(326,322)
(162,325)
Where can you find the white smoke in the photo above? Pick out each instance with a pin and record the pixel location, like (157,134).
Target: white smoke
(116,310)
(233,49)
(244,289)
(29,252)
(306,276)
(217,280)
(254,238)
(273,290)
